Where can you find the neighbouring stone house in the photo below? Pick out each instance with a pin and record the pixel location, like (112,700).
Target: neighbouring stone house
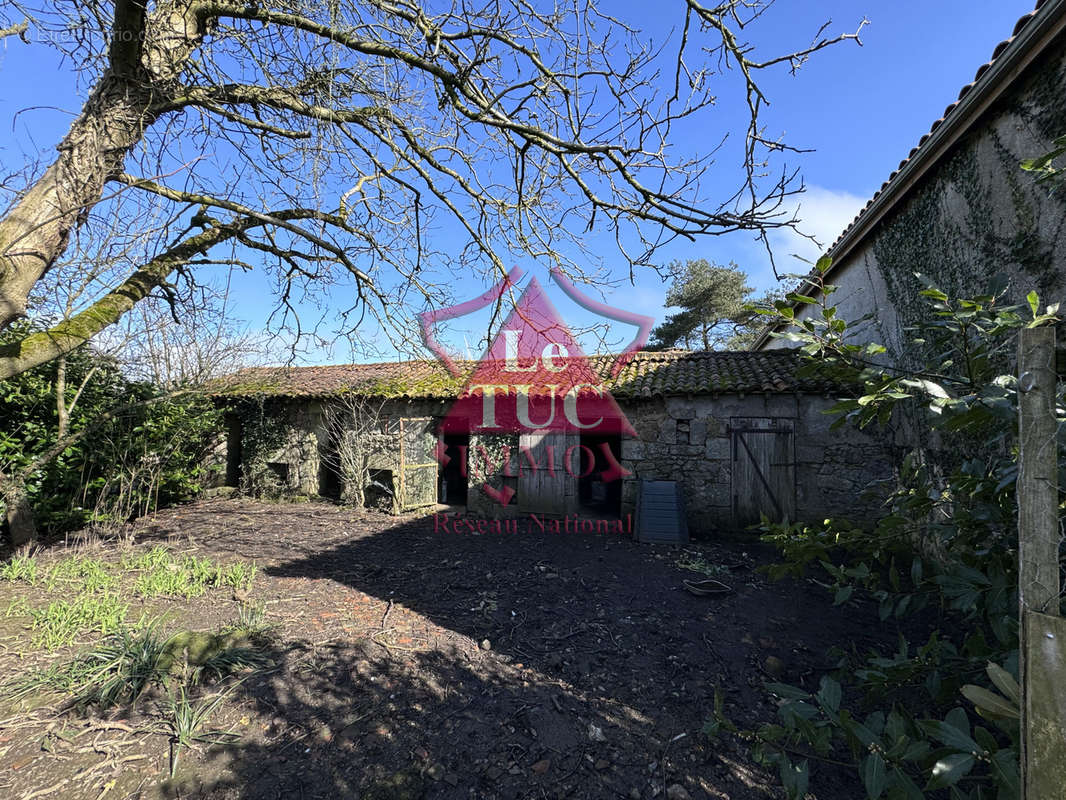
(741,432)
(959,209)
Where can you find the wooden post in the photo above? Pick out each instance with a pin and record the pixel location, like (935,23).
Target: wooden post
(1043,632)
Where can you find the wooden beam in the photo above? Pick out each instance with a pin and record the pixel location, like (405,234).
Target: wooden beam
(1043,747)
(1038,490)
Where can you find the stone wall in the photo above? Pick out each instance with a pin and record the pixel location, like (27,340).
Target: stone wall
(975,215)
(296,435)
(689,440)
(685,439)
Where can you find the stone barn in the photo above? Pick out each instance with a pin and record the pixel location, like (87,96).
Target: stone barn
(742,433)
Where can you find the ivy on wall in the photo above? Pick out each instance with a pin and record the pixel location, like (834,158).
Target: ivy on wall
(979,215)
(264,431)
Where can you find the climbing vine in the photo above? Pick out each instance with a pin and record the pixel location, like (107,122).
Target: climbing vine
(263,432)
(979,215)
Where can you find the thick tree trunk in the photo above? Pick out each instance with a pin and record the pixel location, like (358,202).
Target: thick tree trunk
(18,516)
(35,232)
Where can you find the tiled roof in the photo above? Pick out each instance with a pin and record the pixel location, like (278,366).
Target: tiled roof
(950,117)
(648,374)
(965,90)
(681,373)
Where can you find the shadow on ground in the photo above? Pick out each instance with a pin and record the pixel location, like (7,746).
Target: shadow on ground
(421,663)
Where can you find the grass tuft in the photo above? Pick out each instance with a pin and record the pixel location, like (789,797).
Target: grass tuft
(62,621)
(20,568)
(89,573)
(163,575)
(251,619)
(123,666)
(185,721)
(237,576)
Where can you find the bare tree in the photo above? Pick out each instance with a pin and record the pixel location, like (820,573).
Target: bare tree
(326,139)
(206,341)
(359,437)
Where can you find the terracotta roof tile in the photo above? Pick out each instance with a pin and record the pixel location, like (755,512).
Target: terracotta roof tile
(648,374)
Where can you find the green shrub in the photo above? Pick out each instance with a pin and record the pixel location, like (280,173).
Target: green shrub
(150,455)
(934,717)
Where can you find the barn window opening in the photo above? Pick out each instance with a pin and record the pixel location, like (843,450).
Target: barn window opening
(683,428)
(280,470)
(599,486)
(380,490)
(453,469)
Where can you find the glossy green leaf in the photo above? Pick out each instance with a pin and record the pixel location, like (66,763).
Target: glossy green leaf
(950,770)
(874,776)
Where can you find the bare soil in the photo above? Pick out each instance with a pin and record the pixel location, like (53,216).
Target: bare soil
(411,662)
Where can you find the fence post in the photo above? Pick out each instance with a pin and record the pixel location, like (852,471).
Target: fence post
(1042,652)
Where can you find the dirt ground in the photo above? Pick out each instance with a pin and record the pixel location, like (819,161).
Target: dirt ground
(410,662)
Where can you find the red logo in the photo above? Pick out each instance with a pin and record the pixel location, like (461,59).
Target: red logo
(535,380)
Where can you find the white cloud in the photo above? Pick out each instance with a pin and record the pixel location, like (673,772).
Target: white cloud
(823,214)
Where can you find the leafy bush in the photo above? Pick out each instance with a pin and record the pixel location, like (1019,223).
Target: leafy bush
(946,549)
(129,448)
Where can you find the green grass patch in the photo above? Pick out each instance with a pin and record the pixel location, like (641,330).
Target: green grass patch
(170,581)
(147,560)
(20,568)
(82,574)
(61,622)
(117,670)
(236,576)
(165,575)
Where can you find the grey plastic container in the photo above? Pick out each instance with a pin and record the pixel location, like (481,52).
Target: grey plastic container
(661,513)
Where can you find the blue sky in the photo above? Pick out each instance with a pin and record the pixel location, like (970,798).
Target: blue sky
(860,108)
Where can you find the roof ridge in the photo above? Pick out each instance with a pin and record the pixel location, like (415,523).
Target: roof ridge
(997,51)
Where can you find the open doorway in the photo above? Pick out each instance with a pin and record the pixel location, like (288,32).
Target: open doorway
(600,455)
(453,469)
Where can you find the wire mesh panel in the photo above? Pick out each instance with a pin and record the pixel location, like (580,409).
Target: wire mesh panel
(418,464)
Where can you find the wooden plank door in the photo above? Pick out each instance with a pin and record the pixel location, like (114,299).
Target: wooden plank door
(418,467)
(545,485)
(764,469)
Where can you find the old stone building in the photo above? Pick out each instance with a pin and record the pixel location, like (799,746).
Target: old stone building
(742,433)
(960,210)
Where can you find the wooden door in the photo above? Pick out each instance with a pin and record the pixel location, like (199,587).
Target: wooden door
(764,469)
(546,484)
(418,467)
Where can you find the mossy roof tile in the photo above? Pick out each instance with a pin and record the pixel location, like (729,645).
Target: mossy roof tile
(647,374)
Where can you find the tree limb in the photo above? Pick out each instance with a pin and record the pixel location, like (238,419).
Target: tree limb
(43,346)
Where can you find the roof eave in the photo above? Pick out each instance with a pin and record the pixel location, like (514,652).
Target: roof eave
(1028,45)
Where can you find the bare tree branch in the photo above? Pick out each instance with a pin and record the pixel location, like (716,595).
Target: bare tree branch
(524,129)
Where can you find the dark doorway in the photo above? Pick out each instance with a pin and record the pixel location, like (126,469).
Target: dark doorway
(380,491)
(599,485)
(234,435)
(329,478)
(453,469)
